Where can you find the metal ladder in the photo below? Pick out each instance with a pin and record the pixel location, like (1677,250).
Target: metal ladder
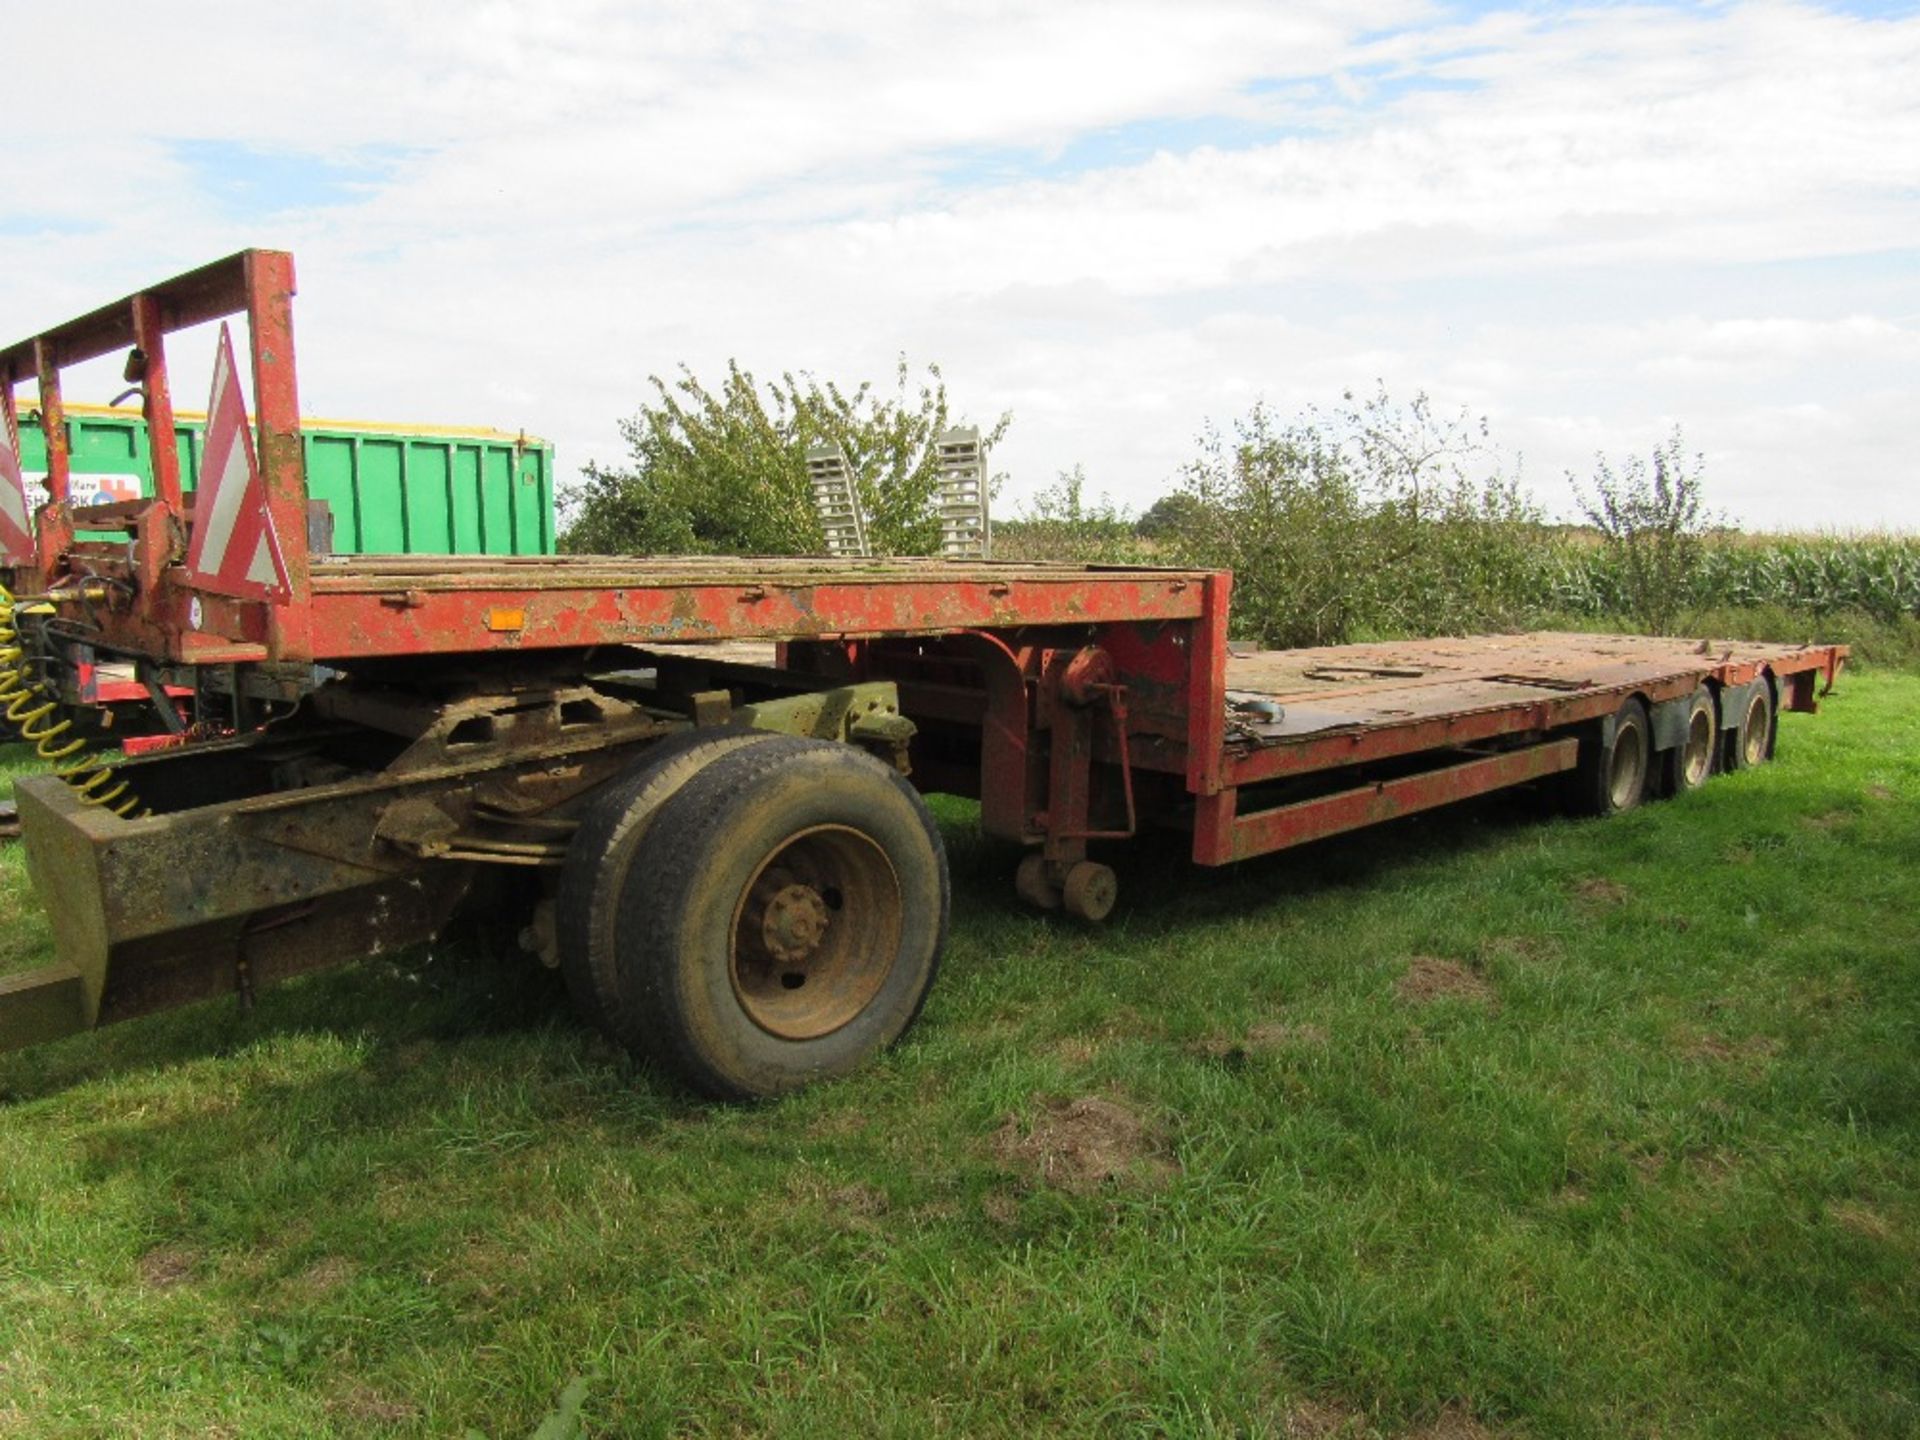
(961,497)
(836,503)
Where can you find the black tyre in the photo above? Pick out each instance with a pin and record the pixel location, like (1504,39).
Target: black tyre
(602,848)
(1690,764)
(1753,736)
(782,919)
(1613,769)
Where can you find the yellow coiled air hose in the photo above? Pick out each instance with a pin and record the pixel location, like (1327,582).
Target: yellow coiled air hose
(29,709)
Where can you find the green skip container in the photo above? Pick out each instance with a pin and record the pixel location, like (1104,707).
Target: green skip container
(391,489)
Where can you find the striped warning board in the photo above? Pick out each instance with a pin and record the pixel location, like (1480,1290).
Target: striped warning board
(234,550)
(16,525)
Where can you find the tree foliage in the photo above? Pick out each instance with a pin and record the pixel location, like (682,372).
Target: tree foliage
(1652,519)
(1371,518)
(1452,535)
(1168,517)
(723,471)
(1410,457)
(1274,504)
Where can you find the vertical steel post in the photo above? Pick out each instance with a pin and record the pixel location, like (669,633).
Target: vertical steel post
(156,404)
(1207,688)
(55,529)
(53,421)
(1213,821)
(157,529)
(1008,784)
(276,399)
(1069,775)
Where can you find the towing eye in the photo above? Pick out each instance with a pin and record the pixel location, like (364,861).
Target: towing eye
(26,704)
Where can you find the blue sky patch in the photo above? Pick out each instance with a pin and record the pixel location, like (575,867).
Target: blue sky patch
(1877,9)
(254,181)
(30,225)
(1297,106)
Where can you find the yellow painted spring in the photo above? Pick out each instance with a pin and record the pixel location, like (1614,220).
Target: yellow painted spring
(31,710)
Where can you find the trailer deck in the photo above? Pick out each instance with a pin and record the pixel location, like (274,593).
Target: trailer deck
(1336,704)
(1478,713)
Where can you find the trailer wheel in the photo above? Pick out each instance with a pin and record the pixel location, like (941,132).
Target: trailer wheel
(782,919)
(1033,885)
(1689,765)
(1090,891)
(1753,738)
(1612,776)
(599,857)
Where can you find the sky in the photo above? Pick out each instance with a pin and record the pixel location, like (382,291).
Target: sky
(1119,221)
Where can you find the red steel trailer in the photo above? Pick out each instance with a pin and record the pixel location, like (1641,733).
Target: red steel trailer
(693,784)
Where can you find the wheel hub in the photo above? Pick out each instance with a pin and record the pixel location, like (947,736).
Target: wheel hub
(796,918)
(816,933)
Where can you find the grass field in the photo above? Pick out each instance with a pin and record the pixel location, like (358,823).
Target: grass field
(1487,1124)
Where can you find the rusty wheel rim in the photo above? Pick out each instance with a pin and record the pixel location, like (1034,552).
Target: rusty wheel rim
(815,933)
(1753,737)
(1698,759)
(1627,776)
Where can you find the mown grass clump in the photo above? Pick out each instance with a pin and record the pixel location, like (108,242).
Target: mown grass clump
(1483,1124)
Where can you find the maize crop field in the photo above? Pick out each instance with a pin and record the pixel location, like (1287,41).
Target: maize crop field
(1875,575)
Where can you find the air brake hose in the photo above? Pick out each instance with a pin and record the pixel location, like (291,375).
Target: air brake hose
(25,703)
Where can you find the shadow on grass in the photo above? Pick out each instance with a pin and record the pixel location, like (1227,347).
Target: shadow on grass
(436,993)
(459,992)
(1162,890)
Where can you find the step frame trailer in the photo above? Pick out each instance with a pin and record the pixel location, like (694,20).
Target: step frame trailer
(692,783)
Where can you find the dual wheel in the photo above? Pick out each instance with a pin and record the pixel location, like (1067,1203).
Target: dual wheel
(1619,767)
(754,911)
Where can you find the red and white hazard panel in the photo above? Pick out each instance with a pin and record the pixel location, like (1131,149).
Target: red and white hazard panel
(16,524)
(234,550)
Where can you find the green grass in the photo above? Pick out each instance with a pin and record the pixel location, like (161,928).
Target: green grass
(1636,1152)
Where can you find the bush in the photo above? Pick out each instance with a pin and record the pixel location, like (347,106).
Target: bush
(1276,505)
(724,471)
(1653,523)
(1372,519)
